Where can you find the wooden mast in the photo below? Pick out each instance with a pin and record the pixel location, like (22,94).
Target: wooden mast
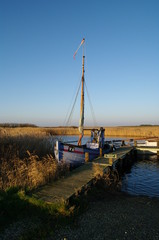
(81,122)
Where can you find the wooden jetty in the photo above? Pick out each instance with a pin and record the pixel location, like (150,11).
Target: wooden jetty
(80,178)
(147,150)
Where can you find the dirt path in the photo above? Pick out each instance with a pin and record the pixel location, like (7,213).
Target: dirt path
(115,216)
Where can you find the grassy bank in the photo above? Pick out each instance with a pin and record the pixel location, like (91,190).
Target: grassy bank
(24,217)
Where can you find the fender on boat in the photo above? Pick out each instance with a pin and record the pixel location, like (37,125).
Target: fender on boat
(57,150)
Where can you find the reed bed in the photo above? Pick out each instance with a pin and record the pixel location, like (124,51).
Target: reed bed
(21,131)
(28,161)
(131,131)
(127,131)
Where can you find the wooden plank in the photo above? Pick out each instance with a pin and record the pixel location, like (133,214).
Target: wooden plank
(64,188)
(119,153)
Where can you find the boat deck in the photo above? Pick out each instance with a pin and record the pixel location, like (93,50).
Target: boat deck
(64,188)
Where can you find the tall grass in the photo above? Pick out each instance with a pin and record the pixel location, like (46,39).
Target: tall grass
(28,161)
(128,131)
(131,131)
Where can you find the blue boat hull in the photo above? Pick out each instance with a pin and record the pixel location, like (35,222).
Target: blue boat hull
(75,155)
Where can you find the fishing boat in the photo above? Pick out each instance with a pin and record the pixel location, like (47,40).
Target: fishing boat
(77,154)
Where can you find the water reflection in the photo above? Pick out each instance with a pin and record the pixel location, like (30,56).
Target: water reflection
(143,178)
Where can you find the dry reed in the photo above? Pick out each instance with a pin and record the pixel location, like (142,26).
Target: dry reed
(130,131)
(98,170)
(133,132)
(28,161)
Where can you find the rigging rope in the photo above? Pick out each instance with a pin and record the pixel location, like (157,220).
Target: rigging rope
(73,97)
(71,113)
(91,107)
(73,106)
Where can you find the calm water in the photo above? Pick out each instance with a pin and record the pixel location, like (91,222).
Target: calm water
(143,178)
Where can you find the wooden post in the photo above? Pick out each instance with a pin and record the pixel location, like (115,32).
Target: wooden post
(135,143)
(86,156)
(100,152)
(111,161)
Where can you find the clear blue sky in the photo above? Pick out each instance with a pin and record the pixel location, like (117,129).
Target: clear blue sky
(39,77)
